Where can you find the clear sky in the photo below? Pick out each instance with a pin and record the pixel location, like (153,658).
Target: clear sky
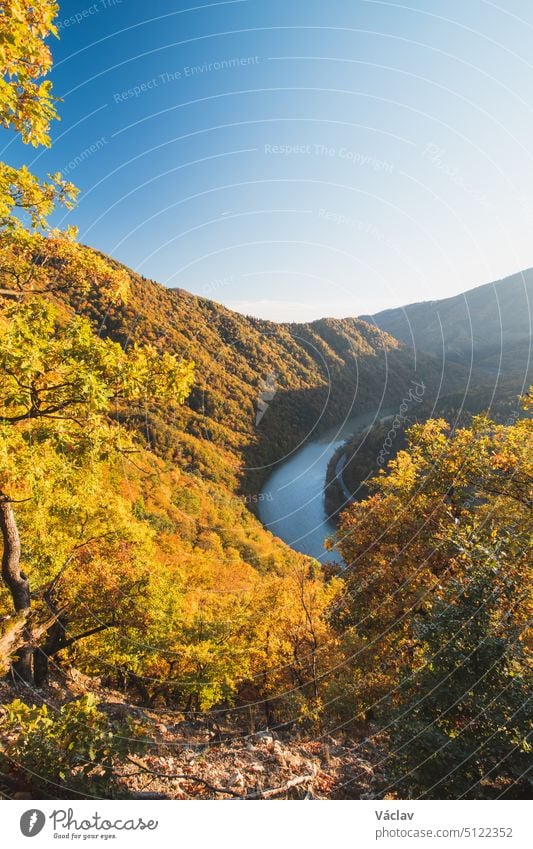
(299,158)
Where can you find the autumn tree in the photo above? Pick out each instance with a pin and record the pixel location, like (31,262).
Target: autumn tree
(401,544)
(462,727)
(60,386)
(27,106)
(26,101)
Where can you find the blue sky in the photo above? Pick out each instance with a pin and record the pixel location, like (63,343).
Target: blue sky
(298,159)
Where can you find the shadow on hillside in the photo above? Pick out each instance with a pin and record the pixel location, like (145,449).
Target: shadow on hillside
(377,382)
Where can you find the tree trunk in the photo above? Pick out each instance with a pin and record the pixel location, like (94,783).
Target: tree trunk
(16,582)
(51,646)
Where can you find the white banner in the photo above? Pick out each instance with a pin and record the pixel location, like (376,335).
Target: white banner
(272,824)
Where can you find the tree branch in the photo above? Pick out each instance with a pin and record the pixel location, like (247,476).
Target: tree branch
(193,778)
(85,634)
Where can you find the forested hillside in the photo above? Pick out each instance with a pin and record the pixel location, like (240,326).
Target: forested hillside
(487,328)
(366,453)
(319,373)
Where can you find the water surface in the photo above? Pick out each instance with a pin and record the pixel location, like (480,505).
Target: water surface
(293,495)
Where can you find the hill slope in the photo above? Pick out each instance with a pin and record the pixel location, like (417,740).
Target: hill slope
(300,378)
(488,327)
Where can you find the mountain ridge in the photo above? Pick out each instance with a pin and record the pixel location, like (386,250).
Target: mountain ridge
(322,370)
(487,328)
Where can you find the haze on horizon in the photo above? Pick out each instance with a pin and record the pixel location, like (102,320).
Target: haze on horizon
(294,160)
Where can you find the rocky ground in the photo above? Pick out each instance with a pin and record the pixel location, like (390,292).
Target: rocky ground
(208,756)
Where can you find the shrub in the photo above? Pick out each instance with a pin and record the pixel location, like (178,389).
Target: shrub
(75,749)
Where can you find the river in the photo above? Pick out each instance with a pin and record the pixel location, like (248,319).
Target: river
(292,503)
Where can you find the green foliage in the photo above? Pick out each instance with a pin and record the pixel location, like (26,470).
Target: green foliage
(21,193)
(59,385)
(462,728)
(160,523)
(187,501)
(73,750)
